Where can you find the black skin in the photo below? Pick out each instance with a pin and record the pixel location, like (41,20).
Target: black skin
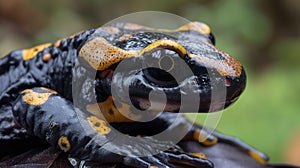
(39,124)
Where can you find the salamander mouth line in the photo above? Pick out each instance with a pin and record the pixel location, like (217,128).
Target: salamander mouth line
(157,105)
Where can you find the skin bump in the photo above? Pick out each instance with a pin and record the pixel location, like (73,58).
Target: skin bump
(46,57)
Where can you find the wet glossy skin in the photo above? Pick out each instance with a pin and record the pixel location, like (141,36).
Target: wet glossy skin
(36,89)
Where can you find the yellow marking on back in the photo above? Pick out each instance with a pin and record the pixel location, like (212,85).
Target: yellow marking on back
(203,139)
(199,155)
(31,52)
(35,98)
(64,143)
(110,112)
(257,157)
(99,125)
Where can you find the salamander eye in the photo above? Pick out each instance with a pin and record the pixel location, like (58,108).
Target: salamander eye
(163,66)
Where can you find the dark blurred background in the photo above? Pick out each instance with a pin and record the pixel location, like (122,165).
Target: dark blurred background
(263,35)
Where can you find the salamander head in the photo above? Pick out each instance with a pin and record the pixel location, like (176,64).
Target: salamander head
(179,68)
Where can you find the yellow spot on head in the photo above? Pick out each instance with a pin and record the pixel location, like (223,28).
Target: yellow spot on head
(257,157)
(64,143)
(31,52)
(100,54)
(35,98)
(99,125)
(199,155)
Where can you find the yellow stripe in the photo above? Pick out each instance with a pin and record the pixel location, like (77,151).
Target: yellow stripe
(168,44)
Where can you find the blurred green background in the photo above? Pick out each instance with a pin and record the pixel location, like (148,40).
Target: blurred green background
(263,35)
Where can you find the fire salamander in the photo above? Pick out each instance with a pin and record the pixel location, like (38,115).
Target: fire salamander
(38,86)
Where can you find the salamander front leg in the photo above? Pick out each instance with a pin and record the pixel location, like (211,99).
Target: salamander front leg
(45,114)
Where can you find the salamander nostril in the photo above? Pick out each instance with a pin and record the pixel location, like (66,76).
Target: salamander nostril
(227,83)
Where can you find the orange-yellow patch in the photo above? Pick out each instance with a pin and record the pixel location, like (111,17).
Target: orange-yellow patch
(153,167)
(199,155)
(111,113)
(99,125)
(64,143)
(168,44)
(257,157)
(31,52)
(203,139)
(100,54)
(35,98)
(46,57)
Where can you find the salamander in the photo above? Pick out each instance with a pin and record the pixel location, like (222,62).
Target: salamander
(84,93)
